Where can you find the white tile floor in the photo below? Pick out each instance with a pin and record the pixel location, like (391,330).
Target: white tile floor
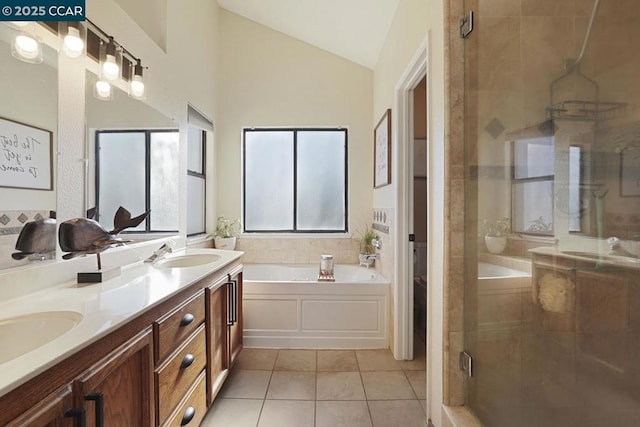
(324,388)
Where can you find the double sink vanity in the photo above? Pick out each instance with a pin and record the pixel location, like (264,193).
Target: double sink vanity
(150,347)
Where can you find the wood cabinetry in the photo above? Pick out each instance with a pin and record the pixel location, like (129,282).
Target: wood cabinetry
(117,391)
(52,411)
(152,371)
(181,357)
(217,356)
(235,323)
(224,311)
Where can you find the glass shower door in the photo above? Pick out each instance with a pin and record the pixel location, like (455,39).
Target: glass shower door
(552,206)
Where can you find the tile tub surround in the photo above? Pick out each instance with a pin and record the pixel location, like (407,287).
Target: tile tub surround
(324,388)
(298,250)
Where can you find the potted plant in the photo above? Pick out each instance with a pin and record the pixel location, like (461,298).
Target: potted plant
(367,254)
(227,231)
(495,234)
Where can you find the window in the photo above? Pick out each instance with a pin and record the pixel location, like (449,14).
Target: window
(532,185)
(196,180)
(199,128)
(295,180)
(143,161)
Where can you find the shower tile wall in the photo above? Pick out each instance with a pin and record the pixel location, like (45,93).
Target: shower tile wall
(552,369)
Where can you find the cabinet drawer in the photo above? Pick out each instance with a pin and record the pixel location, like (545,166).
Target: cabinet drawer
(179,372)
(193,408)
(171,329)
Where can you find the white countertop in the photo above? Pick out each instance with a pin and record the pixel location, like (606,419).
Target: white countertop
(104,306)
(605,259)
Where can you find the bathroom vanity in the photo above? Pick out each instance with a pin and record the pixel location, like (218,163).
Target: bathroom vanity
(166,339)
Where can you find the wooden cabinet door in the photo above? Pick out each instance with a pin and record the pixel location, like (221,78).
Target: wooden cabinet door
(52,411)
(235,329)
(118,390)
(218,355)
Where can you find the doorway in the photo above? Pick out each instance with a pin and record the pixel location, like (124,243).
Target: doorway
(418,205)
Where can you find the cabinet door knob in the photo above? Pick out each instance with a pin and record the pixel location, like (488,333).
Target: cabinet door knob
(187,361)
(188,416)
(187,319)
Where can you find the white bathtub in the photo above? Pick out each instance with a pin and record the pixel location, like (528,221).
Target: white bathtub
(503,294)
(284,306)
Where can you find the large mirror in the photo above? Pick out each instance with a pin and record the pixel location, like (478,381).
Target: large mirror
(133,162)
(28,143)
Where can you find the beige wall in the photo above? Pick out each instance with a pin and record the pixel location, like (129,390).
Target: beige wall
(414,20)
(271,79)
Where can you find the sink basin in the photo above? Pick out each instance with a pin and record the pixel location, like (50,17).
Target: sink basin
(602,257)
(190,260)
(21,334)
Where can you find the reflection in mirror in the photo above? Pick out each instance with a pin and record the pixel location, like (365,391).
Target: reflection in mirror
(28,136)
(133,161)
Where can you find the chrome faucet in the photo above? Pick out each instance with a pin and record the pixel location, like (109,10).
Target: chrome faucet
(376,243)
(615,248)
(160,252)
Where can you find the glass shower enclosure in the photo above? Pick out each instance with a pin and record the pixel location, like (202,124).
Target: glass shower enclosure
(552,193)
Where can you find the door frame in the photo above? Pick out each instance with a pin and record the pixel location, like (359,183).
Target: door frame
(417,69)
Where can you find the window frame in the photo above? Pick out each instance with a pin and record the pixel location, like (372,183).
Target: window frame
(201,175)
(295,130)
(515,181)
(147,180)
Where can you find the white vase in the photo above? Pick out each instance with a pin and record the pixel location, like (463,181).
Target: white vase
(228,243)
(494,244)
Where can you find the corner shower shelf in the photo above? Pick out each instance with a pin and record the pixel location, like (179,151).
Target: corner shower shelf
(585,110)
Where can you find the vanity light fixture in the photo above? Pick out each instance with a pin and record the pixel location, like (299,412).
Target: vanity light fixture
(136,83)
(116,64)
(26,47)
(110,61)
(73,39)
(103,91)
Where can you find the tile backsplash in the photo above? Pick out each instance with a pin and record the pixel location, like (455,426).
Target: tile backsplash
(298,250)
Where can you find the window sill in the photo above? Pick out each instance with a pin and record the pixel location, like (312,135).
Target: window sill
(549,240)
(295,236)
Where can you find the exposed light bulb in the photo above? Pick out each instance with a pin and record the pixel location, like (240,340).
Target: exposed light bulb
(73,43)
(110,68)
(103,89)
(27,48)
(137,86)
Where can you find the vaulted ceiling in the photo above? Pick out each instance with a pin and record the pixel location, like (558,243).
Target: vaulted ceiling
(353,29)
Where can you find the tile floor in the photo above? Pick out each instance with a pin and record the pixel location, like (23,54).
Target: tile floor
(323,388)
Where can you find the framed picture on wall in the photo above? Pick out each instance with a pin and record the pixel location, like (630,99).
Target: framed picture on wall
(382,151)
(27,156)
(630,172)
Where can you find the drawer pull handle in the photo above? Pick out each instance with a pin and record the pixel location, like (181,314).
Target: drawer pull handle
(80,416)
(187,319)
(187,361)
(188,416)
(99,399)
